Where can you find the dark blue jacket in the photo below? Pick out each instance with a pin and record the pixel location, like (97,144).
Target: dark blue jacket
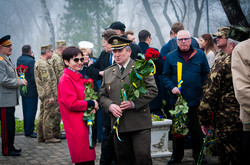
(172,45)
(28,61)
(194,74)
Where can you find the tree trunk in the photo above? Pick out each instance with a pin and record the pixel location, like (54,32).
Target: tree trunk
(234,13)
(154,22)
(49,22)
(198,16)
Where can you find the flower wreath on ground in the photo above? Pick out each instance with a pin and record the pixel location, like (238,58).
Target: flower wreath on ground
(89,115)
(143,68)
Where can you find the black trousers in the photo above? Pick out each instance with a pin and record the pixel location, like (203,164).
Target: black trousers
(134,148)
(246,147)
(108,155)
(196,136)
(8,128)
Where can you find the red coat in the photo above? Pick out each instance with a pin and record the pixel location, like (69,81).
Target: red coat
(72,104)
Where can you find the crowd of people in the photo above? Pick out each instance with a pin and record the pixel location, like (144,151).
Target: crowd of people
(215,85)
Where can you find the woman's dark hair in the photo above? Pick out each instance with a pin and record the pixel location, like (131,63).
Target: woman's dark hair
(70,52)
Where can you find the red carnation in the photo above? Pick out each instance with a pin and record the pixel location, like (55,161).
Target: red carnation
(151,53)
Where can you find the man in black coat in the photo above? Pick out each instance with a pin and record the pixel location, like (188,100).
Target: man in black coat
(29,98)
(95,71)
(120,30)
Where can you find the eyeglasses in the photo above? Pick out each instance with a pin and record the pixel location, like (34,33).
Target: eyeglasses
(76,60)
(183,39)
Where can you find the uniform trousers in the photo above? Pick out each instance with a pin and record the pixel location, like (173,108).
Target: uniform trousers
(29,113)
(8,128)
(229,147)
(46,120)
(196,136)
(134,149)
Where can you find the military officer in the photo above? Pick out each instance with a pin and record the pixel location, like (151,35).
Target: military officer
(135,121)
(47,91)
(57,64)
(9,83)
(219,99)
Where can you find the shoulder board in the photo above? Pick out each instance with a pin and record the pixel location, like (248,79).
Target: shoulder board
(111,66)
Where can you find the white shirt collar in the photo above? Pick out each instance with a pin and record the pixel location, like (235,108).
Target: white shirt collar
(125,65)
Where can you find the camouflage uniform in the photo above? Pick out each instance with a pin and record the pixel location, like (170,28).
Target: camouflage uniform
(219,98)
(218,56)
(58,65)
(46,88)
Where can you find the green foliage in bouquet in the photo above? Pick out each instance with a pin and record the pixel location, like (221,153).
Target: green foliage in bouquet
(90,94)
(137,88)
(180,118)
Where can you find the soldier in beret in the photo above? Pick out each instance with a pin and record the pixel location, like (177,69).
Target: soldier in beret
(219,99)
(47,92)
(135,121)
(57,64)
(9,84)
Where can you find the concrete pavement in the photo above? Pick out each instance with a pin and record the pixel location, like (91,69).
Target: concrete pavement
(58,154)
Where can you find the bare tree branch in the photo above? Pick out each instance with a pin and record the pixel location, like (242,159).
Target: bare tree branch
(50,24)
(154,22)
(165,13)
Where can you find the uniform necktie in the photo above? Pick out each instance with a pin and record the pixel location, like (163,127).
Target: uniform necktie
(122,69)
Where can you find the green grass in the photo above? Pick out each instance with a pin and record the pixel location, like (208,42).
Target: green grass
(20,128)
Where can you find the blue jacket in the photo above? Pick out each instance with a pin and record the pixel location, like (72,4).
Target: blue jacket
(29,61)
(172,45)
(194,74)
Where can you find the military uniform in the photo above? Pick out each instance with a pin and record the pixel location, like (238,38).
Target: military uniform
(135,123)
(47,88)
(58,65)
(9,83)
(219,99)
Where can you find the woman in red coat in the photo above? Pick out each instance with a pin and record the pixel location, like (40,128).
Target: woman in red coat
(72,105)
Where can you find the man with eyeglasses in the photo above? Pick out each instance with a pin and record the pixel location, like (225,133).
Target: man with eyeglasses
(9,84)
(194,72)
(221,42)
(47,91)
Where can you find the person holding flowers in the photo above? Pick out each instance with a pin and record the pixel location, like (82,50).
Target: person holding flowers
(194,71)
(133,144)
(72,103)
(30,97)
(9,98)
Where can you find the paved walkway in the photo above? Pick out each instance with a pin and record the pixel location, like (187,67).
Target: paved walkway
(58,154)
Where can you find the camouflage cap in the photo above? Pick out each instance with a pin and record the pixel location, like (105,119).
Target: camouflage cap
(46,47)
(61,43)
(118,42)
(239,33)
(222,31)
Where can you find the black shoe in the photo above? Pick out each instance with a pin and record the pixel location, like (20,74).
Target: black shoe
(61,136)
(32,135)
(17,150)
(174,161)
(12,153)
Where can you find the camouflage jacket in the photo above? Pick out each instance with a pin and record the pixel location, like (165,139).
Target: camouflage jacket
(58,65)
(217,57)
(45,79)
(218,99)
